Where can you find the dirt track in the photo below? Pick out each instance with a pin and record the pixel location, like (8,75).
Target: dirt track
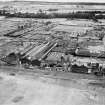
(39,89)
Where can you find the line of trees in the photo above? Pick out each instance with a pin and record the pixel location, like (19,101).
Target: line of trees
(71,15)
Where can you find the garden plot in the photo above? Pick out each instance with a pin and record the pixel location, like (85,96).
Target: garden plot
(55,56)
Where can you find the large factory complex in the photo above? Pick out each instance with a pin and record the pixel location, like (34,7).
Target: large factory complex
(54,50)
(67,44)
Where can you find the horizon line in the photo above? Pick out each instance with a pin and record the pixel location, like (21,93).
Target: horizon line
(53,1)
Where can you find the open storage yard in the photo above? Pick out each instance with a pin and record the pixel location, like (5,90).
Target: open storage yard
(52,53)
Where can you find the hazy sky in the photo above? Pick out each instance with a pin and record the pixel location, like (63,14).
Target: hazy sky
(63,0)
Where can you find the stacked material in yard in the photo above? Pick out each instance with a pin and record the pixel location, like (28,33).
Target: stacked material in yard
(55,56)
(96,49)
(59,49)
(65,46)
(92,43)
(82,52)
(91,51)
(85,60)
(79,69)
(83,64)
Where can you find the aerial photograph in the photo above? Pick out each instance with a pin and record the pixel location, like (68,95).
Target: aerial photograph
(52,52)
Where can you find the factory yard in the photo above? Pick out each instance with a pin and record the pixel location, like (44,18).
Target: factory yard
(51,61)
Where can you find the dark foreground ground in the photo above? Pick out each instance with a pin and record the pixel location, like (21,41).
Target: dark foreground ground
(49,88)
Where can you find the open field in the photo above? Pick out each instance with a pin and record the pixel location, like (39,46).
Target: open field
(42,87)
